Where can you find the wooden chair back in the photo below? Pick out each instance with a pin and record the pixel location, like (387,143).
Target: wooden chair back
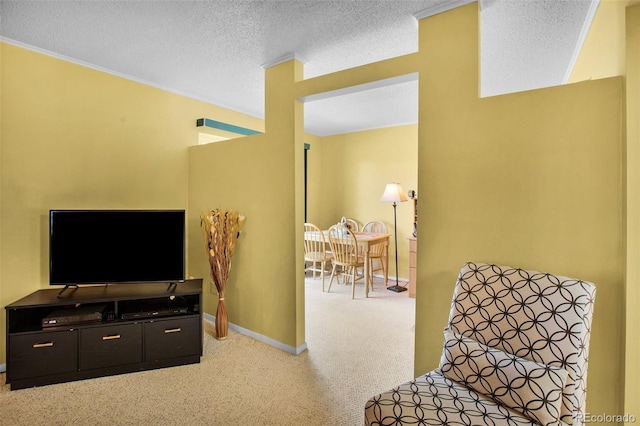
(375,226)
(353,225)
(314,243)
(377,250)
(344,246)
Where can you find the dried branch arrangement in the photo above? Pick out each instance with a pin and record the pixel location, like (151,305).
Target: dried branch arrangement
(221,229)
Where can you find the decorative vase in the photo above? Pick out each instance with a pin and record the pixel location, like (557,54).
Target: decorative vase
(221,230)
(222,324)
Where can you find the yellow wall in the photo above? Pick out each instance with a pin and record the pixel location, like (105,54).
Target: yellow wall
(260,177)
(531,179)
(356,168)
(241,175)
(632,349)
(2,298)
(611,48)
(603,52)
(315,172)
(73,137)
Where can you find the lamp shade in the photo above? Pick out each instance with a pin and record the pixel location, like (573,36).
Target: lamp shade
(394,193)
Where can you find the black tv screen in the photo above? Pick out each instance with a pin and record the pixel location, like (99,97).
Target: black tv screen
(116,246)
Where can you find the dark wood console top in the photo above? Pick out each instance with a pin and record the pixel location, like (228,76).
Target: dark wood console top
(105,293)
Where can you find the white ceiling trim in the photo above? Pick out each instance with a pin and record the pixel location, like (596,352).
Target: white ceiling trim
(282,59)
(64,58)
(117,74)
(441,8)
(593,8)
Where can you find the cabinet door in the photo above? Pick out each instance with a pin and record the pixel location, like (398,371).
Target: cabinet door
(41,354)
(172,338)
(109,346)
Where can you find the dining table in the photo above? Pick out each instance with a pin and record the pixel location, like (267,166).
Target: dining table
(366,241)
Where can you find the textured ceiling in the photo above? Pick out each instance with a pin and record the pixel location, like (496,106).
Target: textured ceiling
(215,50)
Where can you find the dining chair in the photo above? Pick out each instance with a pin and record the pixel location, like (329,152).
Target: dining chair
(315,250)
(375,226)
(344,248)
(353,225)
(377,253)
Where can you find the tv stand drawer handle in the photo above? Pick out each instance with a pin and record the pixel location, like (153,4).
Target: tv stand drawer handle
(173,330)
(113,337)
(43,345)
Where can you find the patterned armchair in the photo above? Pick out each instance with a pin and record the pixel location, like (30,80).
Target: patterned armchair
(515,353)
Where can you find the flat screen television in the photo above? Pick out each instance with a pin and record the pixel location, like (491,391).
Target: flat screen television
(116,246)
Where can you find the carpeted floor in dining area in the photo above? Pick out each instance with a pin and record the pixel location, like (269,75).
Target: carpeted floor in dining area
(356,349)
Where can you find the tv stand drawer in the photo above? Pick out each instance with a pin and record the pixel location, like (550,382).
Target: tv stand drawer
(172,338)
(111,345)
(38,354)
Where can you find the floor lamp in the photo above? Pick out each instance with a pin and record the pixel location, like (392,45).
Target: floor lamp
(393,193)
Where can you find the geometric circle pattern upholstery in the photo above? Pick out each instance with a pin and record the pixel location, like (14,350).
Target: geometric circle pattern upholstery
(532,315)
(528,387)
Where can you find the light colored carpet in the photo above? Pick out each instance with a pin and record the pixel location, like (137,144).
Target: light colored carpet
(356,349)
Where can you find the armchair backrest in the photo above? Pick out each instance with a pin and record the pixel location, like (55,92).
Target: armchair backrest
(530,314)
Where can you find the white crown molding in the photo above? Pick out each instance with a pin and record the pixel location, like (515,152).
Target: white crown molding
(282,59)
(75,61)
(440,8)
(584,31)
(118,74)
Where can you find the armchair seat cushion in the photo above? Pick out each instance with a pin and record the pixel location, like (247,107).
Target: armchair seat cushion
(433,399)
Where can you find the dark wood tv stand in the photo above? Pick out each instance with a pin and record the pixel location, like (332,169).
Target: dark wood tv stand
(143,326)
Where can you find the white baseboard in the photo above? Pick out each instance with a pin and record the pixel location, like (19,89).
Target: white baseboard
(391,279)
(259,337)
(3,368)
(271,342)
